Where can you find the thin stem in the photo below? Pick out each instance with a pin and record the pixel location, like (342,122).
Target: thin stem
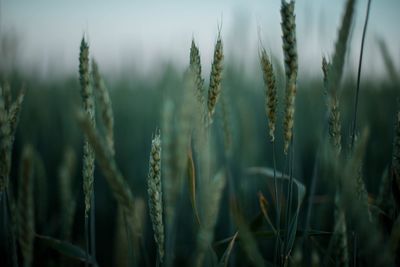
(7,217)
(145,256)
(354,249)
(289,203)
(313,186)
(287,215)
(359,74)
(231,194)
(93,231)
(291,176)
(281,258)
(276,187)
(87,239)
(356,103)
(129,237)
(290,193)
(170,241)
(277,208)
(312,192)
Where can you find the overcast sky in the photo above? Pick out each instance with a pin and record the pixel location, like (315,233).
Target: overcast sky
(143,34)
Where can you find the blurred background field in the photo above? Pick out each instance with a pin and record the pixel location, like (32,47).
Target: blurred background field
(48,123)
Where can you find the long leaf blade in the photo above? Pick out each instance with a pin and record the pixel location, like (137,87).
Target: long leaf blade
(65,248)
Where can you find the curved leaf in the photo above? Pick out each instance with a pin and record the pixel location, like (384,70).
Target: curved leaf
(225,257)
(64,248)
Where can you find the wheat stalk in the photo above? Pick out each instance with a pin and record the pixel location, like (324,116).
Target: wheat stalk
(26,222)
(129,231)
(176,142)
(247,239)
(154,190)
(226,124)
(396,145)
(340,237)
(388,61)
(121,240)
(170,168)
(215,78)
(332,77)
(116,181)
(195,67)
(271,99)
(384,199)
(88,106)
(369,236)
(211,197)
(333,73)
(15,111)
(9,117)
(290,55)
(335,125)
(396,153)
(5,157)
(105,105)
(67,199)
(337,65)
(41,189)
(6,94)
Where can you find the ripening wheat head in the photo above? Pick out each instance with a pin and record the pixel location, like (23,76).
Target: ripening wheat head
(195,67)
(215,78)
(271,99)
(154,190)
(291,65)
(88,106)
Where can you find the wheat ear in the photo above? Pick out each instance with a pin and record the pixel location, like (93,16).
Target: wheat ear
(271,100)
(332,77)
(215,78)
(336,69)
(339,239)
(9,117)
(6,94)
(88,107)
(105,105)
(290,55)
(154,190)
(195,67)
(334,123)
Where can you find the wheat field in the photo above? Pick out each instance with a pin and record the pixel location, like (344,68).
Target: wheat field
(205,169)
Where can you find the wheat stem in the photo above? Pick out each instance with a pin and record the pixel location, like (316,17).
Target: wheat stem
(359,75)
(26,220)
